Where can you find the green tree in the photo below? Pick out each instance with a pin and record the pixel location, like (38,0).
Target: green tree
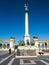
(16,46)
(21,43)
(32,43)
(27,42)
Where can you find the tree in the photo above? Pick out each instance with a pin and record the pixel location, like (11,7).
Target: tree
(27,42)
(16,46)
(32,43)
(21,43)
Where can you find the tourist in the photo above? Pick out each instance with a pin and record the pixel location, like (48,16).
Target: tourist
(10,51)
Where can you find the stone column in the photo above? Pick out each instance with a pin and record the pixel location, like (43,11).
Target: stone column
(12,43)
(44,45)
(6,45)
(36,45)
(2,46)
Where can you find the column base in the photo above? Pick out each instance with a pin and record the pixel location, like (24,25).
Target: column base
(27,40)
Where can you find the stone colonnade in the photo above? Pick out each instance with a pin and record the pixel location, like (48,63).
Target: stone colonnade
(40,41)
(36,41)
(9,43)
(5,46)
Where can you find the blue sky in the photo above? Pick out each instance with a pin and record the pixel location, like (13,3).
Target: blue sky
(12,19)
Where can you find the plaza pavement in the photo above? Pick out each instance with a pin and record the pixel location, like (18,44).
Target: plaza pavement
(2,52)
(13,60)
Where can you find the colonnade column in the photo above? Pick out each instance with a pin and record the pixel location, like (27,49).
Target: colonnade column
(2,46)
(12,43)
(36,44)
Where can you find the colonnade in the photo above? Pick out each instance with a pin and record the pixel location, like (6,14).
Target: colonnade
(41,42)
(6,44)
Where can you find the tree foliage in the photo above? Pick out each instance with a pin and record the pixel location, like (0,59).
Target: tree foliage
(21,43)
(32,43)
(16,46)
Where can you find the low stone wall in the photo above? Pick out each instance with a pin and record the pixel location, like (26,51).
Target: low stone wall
(26,52)
(26,47)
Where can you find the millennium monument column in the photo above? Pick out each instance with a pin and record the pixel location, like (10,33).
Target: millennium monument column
(26,36)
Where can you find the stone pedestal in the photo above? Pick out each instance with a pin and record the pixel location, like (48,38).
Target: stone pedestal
(26,51)
(27,38)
